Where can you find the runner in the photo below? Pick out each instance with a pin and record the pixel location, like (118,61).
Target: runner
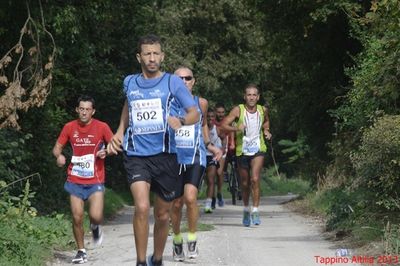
(191,153)
(212,163)
(219,116)
(149,151)
(86,174)
(251,128)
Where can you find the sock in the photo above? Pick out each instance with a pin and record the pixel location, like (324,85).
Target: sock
(178,239)
(255,209)
(246,208)
(82,249)
(191,237)
(93,226)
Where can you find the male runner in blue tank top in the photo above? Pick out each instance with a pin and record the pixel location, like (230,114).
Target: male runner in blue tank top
(146,133)
(191,142)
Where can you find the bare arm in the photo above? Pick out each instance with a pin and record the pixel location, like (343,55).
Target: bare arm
(228,120)
(116,142)
(191,117)
(205,130)
(57,152)
(266,125)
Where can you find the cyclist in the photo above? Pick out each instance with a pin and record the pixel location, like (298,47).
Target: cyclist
(252,125)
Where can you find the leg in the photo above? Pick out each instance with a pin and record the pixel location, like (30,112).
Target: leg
(256,166)
(161,223)
(211,173)
(140,191)
(191,205)
(96,206)
(220,181)
(244,178)
(176,215)
(77,210)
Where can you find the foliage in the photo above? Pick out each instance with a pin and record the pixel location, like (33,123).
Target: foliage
(377,162)
(13,155)
(26,71)
(26,238)
(296,150)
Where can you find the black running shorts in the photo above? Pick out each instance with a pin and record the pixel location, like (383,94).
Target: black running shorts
(161,171)
(192,174)
(244,161)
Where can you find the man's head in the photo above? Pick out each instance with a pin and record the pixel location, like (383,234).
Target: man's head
(251,95)
(220,111)
(85,108)
(210,117)
(150,55)
(186,75)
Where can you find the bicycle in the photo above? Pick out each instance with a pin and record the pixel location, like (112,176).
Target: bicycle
(233,180)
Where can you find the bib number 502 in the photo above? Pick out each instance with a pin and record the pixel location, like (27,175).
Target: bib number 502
(145,115)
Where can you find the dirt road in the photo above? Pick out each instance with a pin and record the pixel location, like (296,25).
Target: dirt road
(283,238)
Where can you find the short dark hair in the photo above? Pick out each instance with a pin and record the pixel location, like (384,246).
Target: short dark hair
(86,98)
(148,39)
(219,105)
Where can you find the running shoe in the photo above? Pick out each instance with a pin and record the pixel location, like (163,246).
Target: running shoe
(193,252)
(177,252)
(221,202)
(255,218)
(207,207)
(213,201)
(97,234)
(207,210)
(246,218)
(151,262)
(81,257)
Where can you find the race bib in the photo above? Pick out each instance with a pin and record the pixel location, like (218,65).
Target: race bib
(251,145)
(184,137)
(147,116)
(83,166)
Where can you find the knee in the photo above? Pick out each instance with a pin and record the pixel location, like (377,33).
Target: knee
(190,200)
(77,218)
(162,216)
(177,204)
(142,209)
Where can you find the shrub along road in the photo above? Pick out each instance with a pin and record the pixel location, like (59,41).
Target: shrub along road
(283,238)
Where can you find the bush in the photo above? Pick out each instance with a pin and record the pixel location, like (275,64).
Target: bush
(377,163)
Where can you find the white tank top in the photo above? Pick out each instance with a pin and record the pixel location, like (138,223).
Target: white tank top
(214,139)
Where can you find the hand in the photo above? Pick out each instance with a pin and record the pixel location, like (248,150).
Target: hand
(267,134)
(174,122)
(241,127)
(61,160)
(115,144)
(101,153)
(217,152)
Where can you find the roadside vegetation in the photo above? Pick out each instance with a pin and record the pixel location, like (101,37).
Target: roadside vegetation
(29,238)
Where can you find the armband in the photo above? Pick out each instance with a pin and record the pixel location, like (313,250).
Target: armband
(182,120)
(207,144)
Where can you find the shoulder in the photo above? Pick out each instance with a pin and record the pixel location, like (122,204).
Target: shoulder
(203,101)
(128,79)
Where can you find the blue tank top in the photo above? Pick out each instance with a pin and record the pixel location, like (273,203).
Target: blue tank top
(149,104)
(189,140)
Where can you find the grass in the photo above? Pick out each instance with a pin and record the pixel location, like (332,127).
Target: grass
(270,185)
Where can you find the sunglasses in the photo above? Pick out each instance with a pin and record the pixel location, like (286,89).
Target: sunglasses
(187,78)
